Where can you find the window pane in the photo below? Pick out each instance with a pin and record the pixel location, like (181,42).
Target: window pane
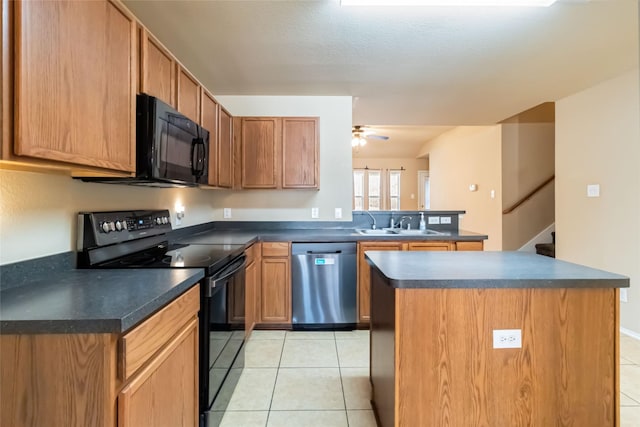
(394,183)
(358,203)
(374,203)
(374,184)
(358,183)
(395,204)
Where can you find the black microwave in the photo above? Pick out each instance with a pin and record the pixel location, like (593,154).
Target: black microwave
(171,149)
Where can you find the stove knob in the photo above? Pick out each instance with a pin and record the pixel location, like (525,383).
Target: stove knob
(112,226)
(118,225)
(158,221)
(105,227)
(124,226)
(165,220)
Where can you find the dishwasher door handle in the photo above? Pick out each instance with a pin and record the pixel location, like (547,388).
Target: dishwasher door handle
(323,253)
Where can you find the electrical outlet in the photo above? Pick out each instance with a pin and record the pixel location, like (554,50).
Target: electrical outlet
(315,213)
(593,190)
(445,220)
(338,213)
(434,220)
(624,297)
(227,213)
(507,338)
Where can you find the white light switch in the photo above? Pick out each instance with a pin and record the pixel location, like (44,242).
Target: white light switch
(315,213)
(338,213)
(226,213)
(593,190)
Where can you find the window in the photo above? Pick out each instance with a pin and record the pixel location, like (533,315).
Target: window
(376,189)
(394,190)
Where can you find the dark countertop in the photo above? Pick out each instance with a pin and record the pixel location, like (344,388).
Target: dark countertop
(247,237)
(487,270)
(91,301)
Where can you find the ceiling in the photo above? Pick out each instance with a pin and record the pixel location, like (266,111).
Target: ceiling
(415,66)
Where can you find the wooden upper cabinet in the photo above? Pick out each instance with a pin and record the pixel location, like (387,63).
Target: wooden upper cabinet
(225,149)
(209,121)
(300,152)
(157,69)
(188,95)
(260,142)
(75,83)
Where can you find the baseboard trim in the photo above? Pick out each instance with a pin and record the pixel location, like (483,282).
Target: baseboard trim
(630,333)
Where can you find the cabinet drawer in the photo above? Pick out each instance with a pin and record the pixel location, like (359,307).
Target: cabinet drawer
(139,345)
(275,249)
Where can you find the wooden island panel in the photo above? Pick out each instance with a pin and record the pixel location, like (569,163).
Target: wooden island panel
(445,372)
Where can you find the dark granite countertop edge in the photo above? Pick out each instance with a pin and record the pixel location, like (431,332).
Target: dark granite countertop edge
(509,284)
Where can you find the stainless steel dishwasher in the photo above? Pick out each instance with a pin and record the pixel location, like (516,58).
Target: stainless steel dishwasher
(323,285)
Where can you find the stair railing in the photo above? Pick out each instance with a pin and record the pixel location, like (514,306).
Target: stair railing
(528,196)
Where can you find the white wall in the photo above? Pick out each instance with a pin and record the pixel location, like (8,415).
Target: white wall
(38,212)
(598,142)
(460,157)
(335,161)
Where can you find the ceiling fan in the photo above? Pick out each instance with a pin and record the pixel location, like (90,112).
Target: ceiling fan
(360,134)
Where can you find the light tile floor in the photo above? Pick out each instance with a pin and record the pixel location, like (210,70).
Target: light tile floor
(629,382)
(322,379)
(303,379)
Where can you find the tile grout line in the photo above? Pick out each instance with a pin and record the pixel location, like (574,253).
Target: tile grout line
(637,404)
(273,392)
(344,397)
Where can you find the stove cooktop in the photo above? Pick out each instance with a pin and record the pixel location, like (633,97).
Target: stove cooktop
(209,257)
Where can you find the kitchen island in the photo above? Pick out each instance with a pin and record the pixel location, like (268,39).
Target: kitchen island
(434,360)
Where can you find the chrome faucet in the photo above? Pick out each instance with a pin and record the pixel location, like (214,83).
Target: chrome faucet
(402,219)
(373,226)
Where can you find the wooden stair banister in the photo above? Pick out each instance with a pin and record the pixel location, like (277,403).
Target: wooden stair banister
(529,195)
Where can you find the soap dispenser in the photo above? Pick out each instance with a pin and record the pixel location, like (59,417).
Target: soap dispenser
(423,225)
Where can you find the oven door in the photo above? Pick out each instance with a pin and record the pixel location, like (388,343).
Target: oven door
(221,339)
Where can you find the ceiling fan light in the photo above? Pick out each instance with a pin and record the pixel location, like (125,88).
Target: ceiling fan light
(541,3)
(355,141)
(363,141)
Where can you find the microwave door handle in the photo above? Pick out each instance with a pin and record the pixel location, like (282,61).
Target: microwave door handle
(197,156)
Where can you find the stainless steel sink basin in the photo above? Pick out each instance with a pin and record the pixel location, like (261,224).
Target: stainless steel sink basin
(379,232)
(426,232)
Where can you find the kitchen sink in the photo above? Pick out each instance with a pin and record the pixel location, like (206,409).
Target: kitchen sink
(426,232)
(378,232)
(389,231)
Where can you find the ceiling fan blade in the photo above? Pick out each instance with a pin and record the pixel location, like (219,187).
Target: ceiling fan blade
(382,137)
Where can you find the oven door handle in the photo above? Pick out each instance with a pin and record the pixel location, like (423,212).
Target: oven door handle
(220,278)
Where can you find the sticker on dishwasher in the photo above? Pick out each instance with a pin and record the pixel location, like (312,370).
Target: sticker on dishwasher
(325,261)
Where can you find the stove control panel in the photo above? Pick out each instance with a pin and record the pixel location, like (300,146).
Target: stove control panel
(106,228)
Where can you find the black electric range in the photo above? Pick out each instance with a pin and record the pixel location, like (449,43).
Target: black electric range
(139,239)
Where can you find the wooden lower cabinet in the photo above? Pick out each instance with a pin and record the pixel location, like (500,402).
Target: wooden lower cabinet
(364,274)
(275,283)
(147,377)
(165,393)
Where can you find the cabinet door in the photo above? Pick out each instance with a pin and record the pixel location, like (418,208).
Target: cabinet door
(165,393)
(364,275)
(261,140)
(157,69)
(275,291)
(188,95)
(76,80)
(209,121)
(469,246)
(431,246)
(300,153)
(225,150)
